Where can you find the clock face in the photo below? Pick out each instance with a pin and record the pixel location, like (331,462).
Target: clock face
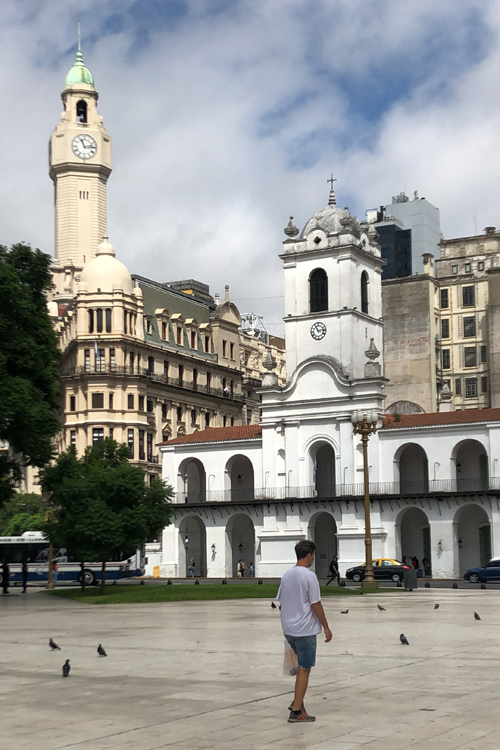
(318,331)
(84,146)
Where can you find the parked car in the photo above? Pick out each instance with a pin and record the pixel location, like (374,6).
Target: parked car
(489,572)
(383,568)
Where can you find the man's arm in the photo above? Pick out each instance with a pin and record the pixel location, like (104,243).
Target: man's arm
(318,610)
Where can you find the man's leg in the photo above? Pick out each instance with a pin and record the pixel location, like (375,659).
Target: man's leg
(301,682)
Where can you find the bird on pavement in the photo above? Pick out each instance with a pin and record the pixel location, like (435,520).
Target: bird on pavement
(273,605)
(404,640)
(344,612)
(101,650)
(436,606)
(66,668)
(476,616)
(382,609)
(53,645)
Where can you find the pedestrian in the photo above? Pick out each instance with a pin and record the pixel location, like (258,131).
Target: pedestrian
(24,569)
(192,566)
(334,570)
(241,568)
(414,561)
(55,572)
(5,577)
(251,570)
(302,617)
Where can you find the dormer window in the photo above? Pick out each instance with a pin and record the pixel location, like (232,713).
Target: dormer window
(81,111)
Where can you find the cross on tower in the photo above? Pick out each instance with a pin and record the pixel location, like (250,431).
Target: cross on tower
(331,181)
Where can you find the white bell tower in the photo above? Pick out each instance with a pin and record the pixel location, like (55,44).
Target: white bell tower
(79,165)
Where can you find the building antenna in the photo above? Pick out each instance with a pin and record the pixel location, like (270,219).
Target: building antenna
(79,38)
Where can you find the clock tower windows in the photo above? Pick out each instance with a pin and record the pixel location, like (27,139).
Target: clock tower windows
(81,111)
(318,290)
(364,292)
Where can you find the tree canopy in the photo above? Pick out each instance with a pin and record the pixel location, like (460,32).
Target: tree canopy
(29,357)
(100,503)
(23,512)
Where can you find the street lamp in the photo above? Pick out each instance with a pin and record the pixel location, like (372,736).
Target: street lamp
(364,424)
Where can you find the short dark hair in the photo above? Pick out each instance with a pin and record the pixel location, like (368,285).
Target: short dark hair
(304,548)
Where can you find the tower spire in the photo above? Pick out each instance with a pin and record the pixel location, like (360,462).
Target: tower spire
(331,199)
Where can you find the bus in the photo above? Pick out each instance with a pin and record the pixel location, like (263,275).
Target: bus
(33,546)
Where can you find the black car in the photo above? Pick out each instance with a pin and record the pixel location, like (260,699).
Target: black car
(383,569)
(489,572)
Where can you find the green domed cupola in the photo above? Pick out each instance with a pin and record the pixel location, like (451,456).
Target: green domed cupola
(79,73)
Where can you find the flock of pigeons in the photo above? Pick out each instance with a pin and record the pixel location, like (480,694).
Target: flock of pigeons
(404,640)
(67,666)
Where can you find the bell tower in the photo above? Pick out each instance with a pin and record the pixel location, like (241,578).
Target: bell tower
(79,166)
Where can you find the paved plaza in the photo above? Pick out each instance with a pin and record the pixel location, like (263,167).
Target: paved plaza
(209,675)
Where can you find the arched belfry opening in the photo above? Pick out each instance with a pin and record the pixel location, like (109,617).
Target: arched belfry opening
(81,111)
(364,292)
(318,290)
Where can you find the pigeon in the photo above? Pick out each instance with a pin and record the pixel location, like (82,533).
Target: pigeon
(273,605)
(404,640)
(476,616)
(66,668)
(382,609)
(436,606)
(53,645)
(101,651)
(344,612)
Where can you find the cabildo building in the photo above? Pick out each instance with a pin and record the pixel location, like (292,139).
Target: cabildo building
(252,491)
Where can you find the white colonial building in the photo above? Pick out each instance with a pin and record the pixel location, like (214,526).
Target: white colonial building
(253,491)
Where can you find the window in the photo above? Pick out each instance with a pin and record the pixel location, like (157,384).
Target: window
(445,328)
(81,111)
(193,416)
(209,382)
(179,335)
(130,441)
(72,403)
(469,326)
(249,416)
(195,379)
(207,343)
(179,413)
(108,320)
(480,265)
(111,432)
(164,411)
(141,445)
(364,292)
(231,388)
(125,316)
(231,351)
(232,421)
(149,405)
(87,360)
(130,401)
(111,400)
(445,302)
(149,445)
(470,356)
(181,374)
(483,355)
(445,358)
(98,317)
(454,269)
(470,387)
(100,362)
(207,419)
(91,321)
(484,384)
(165,370)
(72,437)
(97,435)
(224,348)
(98,400)
(318,291)
(468,296)
(151,365)
(224,421)
(131,362)
(141,403)
(112,360)
(467,268)
(164,331)
(458,386)
(193,340)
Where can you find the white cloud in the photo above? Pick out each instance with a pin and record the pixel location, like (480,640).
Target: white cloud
(225,123)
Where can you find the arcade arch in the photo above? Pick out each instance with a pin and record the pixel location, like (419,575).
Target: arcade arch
(471,466)
(473,537)
(192,481)
(323,469)
(240,543)
(322,530)
(413,468)
(413,538)
(239,478)
(192,544)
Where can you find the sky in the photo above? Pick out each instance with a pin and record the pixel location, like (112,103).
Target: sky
(228,117)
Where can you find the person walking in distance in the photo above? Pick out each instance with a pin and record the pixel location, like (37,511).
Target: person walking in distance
(334,570)
(55,573)
(24,570)
(192,567)
(302,617)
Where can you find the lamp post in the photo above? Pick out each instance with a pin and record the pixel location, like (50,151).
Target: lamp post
(365,424)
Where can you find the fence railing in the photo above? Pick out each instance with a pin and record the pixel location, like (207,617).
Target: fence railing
(477,484)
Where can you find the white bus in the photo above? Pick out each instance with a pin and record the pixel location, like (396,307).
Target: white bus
(33,547)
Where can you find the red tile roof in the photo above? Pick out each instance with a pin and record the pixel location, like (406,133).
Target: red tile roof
(442,418)
(219,435)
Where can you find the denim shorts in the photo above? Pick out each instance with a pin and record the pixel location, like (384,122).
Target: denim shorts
(305,648)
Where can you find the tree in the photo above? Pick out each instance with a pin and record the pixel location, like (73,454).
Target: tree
(22,513)
(29,357)
(101,505)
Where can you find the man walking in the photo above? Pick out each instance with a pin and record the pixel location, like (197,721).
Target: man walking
(334,570)
(302,617)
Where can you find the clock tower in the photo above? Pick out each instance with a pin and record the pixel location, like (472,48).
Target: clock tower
(79,165)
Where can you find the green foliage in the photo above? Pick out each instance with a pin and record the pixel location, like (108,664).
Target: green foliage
(29,357)
(100,504)
(22,513)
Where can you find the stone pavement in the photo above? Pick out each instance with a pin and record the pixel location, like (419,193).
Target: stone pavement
(200,675)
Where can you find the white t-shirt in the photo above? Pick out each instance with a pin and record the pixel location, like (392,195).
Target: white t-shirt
(299,589)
